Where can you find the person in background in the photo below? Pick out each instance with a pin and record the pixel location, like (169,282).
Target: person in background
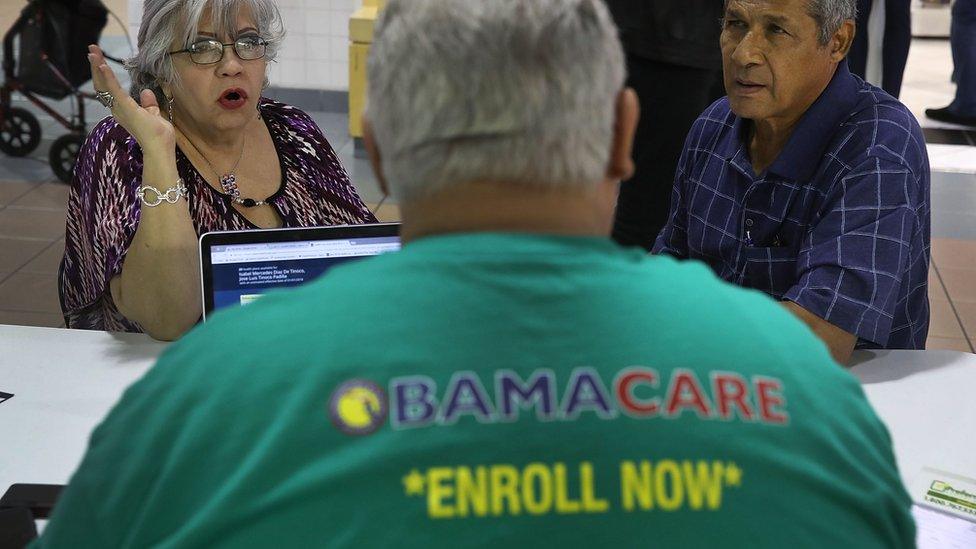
(194,149)
(674,64)
(962,110)
(895,46)
(808,183)
(516,379)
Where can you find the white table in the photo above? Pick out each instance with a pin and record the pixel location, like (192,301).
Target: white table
(65,381)
(928,401)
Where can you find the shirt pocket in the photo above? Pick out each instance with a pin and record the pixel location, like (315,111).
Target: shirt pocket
(772,270)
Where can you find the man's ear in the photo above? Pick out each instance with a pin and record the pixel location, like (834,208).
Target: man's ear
(375,160)
(840,44)
(621,166)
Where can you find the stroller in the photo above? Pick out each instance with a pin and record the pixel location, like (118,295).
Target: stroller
(53,63)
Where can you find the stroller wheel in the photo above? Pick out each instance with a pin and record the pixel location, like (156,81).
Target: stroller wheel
(19,131)
(64,153)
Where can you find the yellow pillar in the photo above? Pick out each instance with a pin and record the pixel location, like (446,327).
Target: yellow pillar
(360,37)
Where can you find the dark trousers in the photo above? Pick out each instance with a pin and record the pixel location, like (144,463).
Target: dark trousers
(894,50)
(964,57)
(671,98)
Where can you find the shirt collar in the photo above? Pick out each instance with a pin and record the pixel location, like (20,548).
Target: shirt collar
(801,156)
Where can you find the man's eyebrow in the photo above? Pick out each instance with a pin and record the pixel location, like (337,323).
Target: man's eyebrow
(246,29)
(784,20)
(778,19)
(733,13)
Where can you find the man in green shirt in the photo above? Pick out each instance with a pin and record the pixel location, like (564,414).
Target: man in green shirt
(511,377)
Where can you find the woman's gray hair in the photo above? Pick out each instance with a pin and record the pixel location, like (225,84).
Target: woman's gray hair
(830,15)
(503,91)
(165,22)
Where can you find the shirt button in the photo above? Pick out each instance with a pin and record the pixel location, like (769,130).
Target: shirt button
(748,223)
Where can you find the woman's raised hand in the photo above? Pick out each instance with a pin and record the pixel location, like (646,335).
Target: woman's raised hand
(146,122)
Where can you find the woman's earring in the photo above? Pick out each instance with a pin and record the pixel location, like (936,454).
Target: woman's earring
(169,108)
(258,107)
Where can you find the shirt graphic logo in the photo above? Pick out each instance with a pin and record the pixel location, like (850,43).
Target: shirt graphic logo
(4,397)
(358,407)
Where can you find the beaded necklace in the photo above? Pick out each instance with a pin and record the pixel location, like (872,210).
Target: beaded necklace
(228,181)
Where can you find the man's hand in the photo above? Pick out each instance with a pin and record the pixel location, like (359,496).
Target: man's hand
(840,342)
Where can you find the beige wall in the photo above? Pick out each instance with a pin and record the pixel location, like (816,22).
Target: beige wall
(8,12)
(10,9)
(120,8)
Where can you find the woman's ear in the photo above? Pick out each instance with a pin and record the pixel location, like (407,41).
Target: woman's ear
(167,91)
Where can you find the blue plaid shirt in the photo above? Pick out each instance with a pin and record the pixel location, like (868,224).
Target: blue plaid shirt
(838,224)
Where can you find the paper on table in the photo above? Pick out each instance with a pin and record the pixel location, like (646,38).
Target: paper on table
(946,492)
(935,530)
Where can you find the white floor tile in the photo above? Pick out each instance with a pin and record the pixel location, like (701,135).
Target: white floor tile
(952,158)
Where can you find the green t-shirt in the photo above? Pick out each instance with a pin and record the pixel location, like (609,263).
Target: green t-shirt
(494,390)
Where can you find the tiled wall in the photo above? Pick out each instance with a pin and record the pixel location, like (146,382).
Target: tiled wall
(315,54)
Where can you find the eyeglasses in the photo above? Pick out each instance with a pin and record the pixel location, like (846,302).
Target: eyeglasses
(208,52)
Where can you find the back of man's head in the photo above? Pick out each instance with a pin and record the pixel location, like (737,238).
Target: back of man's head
(502,91)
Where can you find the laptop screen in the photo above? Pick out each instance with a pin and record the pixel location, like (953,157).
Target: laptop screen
(240,273)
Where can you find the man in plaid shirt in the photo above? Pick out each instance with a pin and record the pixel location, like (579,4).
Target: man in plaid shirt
(808,183)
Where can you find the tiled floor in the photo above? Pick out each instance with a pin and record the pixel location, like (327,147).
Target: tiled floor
(31,244)
(32,211)
(952,294)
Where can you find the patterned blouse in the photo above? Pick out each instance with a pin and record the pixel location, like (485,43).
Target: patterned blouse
(103,209)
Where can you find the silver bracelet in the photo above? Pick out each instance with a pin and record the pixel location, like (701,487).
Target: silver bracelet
(172,195)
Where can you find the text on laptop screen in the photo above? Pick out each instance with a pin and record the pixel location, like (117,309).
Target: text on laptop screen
(242,272)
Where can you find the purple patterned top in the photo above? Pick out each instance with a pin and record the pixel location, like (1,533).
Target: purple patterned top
(103,209)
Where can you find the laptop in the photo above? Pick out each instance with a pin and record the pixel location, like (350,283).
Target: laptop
(238,267)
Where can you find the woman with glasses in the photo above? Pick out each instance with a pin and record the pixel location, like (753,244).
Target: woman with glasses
(195,148)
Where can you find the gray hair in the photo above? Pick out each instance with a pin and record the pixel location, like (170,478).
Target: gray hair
(167,21)
(502,91)
(830,15)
